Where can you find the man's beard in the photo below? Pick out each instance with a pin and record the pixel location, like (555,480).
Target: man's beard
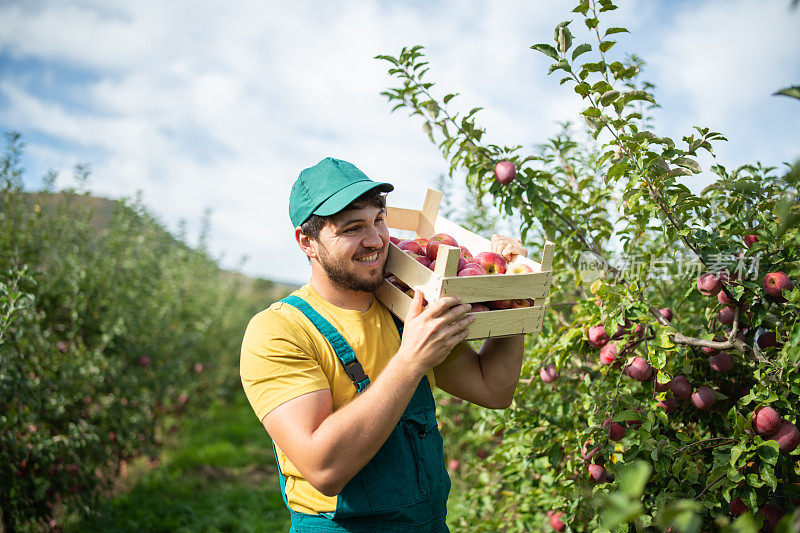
(339,273)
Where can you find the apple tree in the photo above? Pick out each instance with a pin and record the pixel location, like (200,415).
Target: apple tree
(674,319)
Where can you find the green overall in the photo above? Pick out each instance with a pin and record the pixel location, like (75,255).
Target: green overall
(404,487)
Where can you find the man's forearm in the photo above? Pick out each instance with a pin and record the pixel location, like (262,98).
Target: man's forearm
(352,435)
(501,362)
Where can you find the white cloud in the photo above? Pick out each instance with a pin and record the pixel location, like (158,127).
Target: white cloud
(220,105)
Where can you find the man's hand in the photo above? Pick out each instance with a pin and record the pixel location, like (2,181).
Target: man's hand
(507,247)
(430,334)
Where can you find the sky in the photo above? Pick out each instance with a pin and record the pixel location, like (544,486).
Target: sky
(212,105)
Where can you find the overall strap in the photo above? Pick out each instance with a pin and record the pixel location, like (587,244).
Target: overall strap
(344,352)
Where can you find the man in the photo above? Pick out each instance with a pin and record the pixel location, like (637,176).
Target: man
(344,394)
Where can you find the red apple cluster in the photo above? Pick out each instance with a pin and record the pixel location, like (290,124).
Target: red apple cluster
(768,423)
(425,252)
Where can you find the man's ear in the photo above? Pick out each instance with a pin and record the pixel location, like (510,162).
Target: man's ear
(306,243)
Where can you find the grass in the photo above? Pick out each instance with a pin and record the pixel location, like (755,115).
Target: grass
(218,474)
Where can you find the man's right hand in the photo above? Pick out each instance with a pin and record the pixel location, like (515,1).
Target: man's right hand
(430,334)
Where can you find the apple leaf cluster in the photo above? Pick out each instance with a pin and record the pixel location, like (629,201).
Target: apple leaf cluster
(660,359)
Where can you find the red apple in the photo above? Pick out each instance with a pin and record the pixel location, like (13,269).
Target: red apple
(453,464)
(614,430)
(750,240)
(666,312)
(766,421)
(639,369)
(466,254)
(726,314)
(787,437)
(608,354)
(501,304)
(521,303)
(597,473)
(433,244)
(668,404)
(423,243)
(737,507)
(472,269)
(681,387)
(703,398)
(708,284)
(478,308)
(775,283)
(493,263)
(722,362)
(772,515)
(768,340)
(144,361)
(395,240)
(548,373)
(556,522)
(411,246)
(597,336)
(723,298)
(505,172)
(518,268)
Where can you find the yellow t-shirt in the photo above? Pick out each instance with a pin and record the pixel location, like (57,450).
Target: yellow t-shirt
(284,356)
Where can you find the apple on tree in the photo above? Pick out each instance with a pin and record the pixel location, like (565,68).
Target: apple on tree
(681,387)
(703,398)
(505,172)
(548,373)
(708,284)
(775,283)
(766,421)
(750,240)
(597,336)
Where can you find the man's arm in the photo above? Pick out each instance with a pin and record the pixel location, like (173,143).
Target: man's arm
(330,447)
(488,378)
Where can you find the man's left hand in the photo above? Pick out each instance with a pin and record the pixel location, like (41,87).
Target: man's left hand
(507,247)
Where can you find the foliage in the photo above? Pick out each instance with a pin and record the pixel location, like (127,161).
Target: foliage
(631,238)
(217,473)
(110,329)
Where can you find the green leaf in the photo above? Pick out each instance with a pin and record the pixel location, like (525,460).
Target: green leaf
(608,97)
(581,49)
(449,97)
(793,92)
(616,170)
(563,37)
(591,112)
(547,50)
(612,31)
(768,452)
(605,46)
(691,164)
(633,479)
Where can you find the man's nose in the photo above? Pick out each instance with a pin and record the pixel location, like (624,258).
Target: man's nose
(373,239)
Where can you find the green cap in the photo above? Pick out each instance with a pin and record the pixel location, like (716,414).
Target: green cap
(327,188)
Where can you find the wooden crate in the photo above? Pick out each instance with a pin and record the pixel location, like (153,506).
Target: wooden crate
(444,281)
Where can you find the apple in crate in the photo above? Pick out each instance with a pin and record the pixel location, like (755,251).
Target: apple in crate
(491,262)
(423,242)
(518,268)
(478,308)
(395,240)
(466,254)
(411,246)
(472,269)
(432,247)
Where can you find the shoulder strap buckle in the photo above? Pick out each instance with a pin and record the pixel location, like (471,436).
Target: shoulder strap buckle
(355,371)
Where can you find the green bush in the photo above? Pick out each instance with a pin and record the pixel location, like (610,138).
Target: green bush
(111,329)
